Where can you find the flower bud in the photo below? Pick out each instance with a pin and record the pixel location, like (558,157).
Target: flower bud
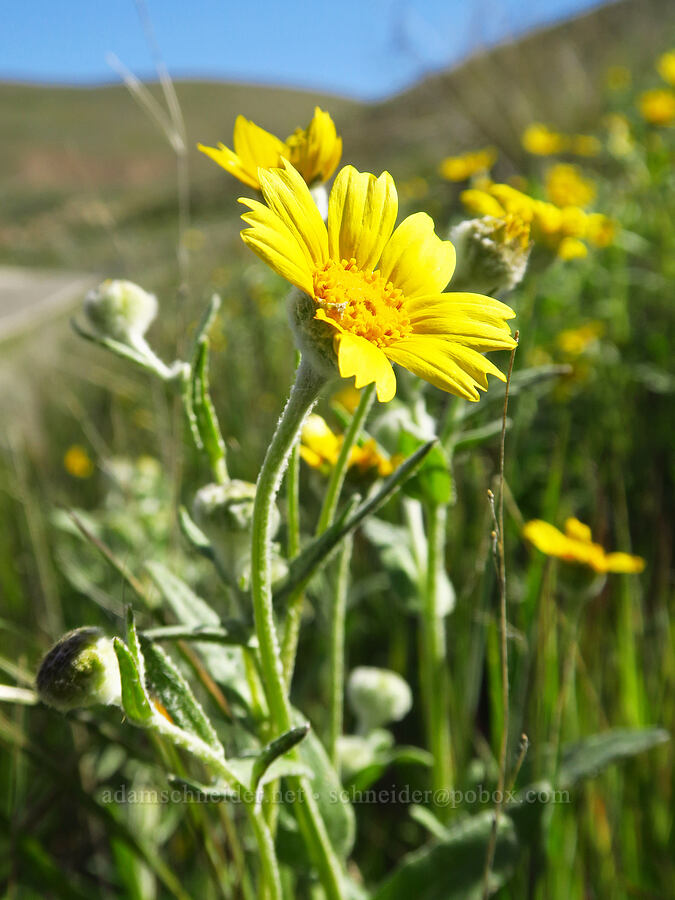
(377,696)
(313,337)
(224,512)
(80,670)
(120,310)
(492,253)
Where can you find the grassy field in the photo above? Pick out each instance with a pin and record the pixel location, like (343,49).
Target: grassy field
(89,185)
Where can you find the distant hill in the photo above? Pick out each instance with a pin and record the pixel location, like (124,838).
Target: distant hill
(87,179)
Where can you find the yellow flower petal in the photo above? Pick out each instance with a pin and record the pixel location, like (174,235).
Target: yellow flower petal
(256,147)
(482,204)
(288,196)
(415,259)
(318,153)
(623,562)
(231,163)
(358,357)
(277,245)
(448,366)
(546,537)
(577,530)
(469,319)
(362,212)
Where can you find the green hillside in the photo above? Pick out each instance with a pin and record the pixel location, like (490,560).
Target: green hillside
(88,180)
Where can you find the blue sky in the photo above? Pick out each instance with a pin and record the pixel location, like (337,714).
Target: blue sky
(360,48)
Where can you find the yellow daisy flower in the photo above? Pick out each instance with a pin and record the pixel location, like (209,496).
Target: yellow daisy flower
(320,448)
(541,141)
(666,67)
(658,106)
(460,168)
(315,151)
(379,291)
(76,462)
(576,546)
(566,186)
(573,341)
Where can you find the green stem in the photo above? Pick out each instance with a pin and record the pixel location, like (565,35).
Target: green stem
(303,396)
(270,868)
(337,649)
(434,654)
(295,601)
(289,645)
(339,471)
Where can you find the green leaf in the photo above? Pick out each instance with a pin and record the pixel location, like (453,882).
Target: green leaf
(166,684)
(244,769)
(424,817)
(303,567)
(453,868)
(193,533)
(224,663)
(134,699)
(216,792)
(275,749)
(433,481)
(474,437)
(366,757)
(588,757)
(231,633)
(211,439)
(335,808)
(132,640)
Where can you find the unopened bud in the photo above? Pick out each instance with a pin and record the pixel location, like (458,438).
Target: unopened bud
(80,670)
(377,696)
(224,512)
(492,253)
(120,310)
(313,337)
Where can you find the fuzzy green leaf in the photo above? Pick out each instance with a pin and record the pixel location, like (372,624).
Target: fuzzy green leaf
(166,684)
(588,757)
(452,868)
(134,698)
(208,428)
(276,749)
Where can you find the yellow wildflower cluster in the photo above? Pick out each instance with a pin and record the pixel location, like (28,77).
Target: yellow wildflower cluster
(658,106)
(540,140)
(566,186)
(320,448)
(576,546)
(562,230)
(314,151)
(461,168)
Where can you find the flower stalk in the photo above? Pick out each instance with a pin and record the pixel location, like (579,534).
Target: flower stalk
(303,397)
(434,663)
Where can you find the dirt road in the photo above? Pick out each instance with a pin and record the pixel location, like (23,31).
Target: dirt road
(30,297)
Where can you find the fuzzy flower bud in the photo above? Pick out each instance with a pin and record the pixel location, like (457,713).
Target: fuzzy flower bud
(313,337)
(377,696)
(492,253)
(224,512)
(80,670)
(120,310)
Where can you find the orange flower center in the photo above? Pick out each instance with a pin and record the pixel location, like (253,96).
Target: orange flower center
(361,302)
